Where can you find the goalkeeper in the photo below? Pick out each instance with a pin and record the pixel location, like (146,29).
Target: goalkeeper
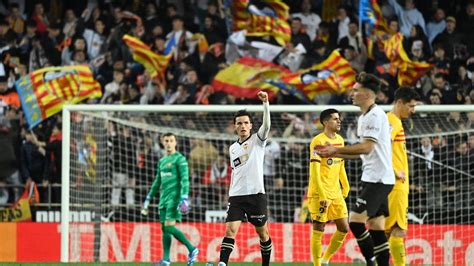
(172,180)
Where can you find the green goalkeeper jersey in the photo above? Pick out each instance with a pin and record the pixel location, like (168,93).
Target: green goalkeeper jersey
(172,180)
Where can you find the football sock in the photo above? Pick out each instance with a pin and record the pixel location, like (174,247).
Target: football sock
(397,249)
(381,247)
(336,242)
(316,246)
(364,240)
(266,249)
(226,248)
(166,239)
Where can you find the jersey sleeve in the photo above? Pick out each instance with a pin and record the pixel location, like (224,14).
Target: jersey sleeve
(344,181)
(155,187)
(183,171)
(372,128)
(315,168)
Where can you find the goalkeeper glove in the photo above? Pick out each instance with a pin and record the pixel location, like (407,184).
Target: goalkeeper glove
(145,206)
(183,206)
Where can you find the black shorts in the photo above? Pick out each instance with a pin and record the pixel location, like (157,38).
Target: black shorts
(373,199)
(249,207)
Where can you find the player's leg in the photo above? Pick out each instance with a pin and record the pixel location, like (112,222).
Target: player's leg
(257,214)
(357,219)
(265,243)
(337,211)
(381,247)
(378,210)
(173,215)
(227,246)
(318,219)
(235,215)
(166,237)
(396,224)
(397,245)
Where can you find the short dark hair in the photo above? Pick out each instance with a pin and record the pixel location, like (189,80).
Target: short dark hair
(326,114)
(169,134)
(406,94)
(369,81)
(242,113)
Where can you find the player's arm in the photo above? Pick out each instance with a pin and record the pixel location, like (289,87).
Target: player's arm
(315,173)
(265,127)
(344,181)
(365,147)
(396,130)
(153,190)
(183,170)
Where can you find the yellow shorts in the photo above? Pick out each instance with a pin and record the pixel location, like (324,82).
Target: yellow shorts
(398,210)
(336,209)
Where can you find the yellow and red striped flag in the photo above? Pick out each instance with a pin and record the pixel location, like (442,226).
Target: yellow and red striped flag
(44,92)
(408,71)
(154,64)
(258,23)
(333,75)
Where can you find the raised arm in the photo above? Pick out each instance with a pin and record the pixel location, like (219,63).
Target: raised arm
(396,7)
(265,127)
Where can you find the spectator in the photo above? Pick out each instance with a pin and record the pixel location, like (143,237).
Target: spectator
(466,28)
(123,159)
(298,35)
(33,163)
(53,162)
(38,57)
(436,26)
(15,19)
(95,39)
(342,23)
(354,39)
(309,20)
(181,36)
(39,16)
(440,60)
(447,92)
(9,174)
(70,23)
(450,38)
(408,16)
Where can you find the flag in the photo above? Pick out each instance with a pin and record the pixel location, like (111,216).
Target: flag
(409,72)
(247,76)
(370,13)
(271,21)
(333,75)
(44,92)
(154,64)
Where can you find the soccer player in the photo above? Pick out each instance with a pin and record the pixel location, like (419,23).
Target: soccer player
(396,223)
(172,180)
(377,173)
(247,197)
(325,197)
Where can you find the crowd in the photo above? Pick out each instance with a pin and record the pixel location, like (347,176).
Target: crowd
(37,34)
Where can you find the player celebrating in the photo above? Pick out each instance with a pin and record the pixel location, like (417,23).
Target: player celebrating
(326,199)
(172,180)
(396,223)
(247,197)
(377,175)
